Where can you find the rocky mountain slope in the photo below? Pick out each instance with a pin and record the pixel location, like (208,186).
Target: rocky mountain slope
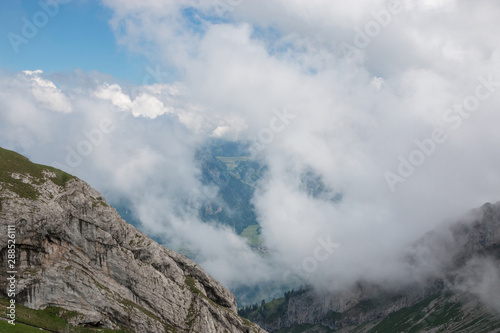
(463,295)
(73,251)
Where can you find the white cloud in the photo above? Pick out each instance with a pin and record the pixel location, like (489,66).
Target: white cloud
(353,119)
(113,92)
(143,104)
(220,131)
(46,93)
(148,106)
(480,278)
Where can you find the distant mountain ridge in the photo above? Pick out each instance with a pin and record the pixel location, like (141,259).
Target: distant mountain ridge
(75,254)
(453,301)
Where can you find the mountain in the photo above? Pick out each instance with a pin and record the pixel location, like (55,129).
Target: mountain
(462,296)
(231,205)
(79,264)
(230,177)
(225,166)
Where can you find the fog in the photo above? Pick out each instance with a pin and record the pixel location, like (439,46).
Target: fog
(401,123)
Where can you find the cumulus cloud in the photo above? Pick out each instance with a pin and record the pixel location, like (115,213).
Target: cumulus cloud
(355,117)
(46,93)
(144,104)
(113,93)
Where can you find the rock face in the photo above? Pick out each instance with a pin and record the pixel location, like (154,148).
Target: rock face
(463,292)
(361,304)
(75,252)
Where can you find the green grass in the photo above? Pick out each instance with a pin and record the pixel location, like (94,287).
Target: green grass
(305,327)
(51,318)
(12,162)
(411,319)
(190,282)
(440,312)
(242,168)
(232,161)
(129,304)
(252,234)
(47,318)
(276,308)
(268,312)
(17,328)
(191,316)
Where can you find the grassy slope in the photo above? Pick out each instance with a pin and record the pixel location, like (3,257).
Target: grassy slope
(444,313)
(438,313)
(252,234)
(231,161)
(52,318)
(18,328)
(233,206)
(243,169)
(306,328)
(12,162)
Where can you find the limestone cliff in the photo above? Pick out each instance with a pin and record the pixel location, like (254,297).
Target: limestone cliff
(74,251)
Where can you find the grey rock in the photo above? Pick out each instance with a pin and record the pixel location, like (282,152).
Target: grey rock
(74,251)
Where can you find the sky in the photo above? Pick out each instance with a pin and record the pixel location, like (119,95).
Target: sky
(392,103)
(76,35)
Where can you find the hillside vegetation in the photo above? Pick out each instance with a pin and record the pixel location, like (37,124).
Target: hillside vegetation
(14,163)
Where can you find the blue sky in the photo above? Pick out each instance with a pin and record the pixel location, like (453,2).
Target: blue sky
(77,37)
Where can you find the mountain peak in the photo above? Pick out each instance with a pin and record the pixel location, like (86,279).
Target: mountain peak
(74,251)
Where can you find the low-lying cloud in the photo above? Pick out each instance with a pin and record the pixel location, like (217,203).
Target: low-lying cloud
(353,118)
